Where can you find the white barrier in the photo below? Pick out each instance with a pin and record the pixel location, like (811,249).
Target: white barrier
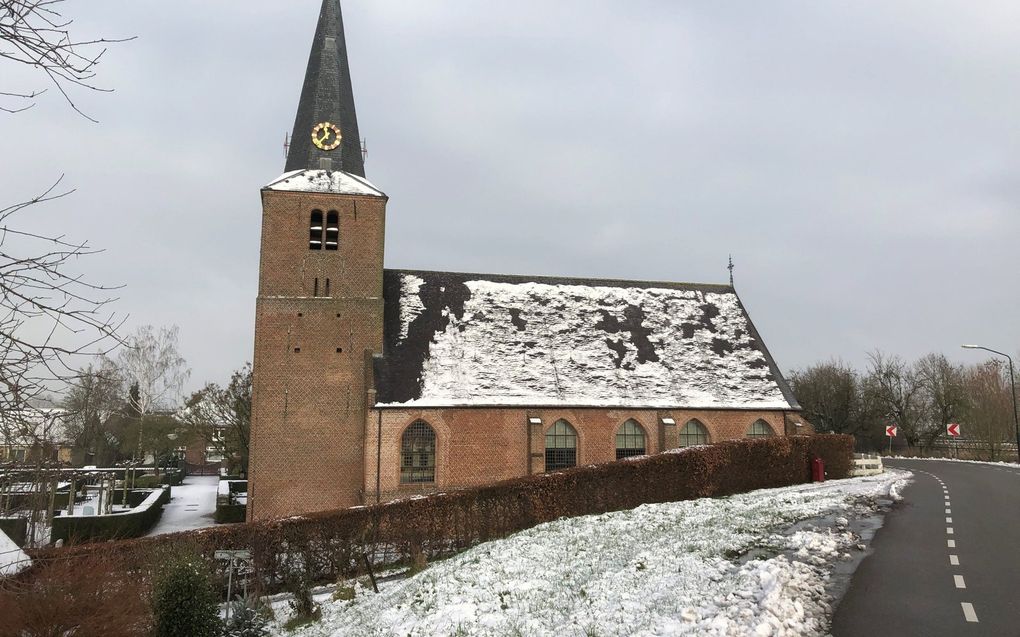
(866,465)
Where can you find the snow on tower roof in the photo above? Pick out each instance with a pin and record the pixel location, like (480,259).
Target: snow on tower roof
(456,339)
(329,181)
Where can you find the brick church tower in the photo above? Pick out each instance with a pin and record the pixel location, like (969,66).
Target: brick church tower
(319,313)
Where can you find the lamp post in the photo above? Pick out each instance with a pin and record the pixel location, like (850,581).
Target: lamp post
(1012,385)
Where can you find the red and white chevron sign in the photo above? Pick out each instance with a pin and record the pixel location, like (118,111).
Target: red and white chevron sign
(953,430)
(891,431)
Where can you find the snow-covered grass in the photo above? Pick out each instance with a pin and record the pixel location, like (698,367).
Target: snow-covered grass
(703,567)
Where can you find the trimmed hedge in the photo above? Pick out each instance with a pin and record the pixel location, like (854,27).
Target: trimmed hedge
(332,544)
(131,524)
(230,513)
(16,529)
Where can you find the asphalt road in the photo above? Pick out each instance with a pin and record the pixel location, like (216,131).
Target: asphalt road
(947,559)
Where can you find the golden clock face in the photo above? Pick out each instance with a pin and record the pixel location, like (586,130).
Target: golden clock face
(326,136)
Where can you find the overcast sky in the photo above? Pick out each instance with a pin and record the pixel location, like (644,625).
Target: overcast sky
(860,160)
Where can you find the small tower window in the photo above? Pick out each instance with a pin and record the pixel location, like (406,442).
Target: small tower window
(315,231)
(332,230)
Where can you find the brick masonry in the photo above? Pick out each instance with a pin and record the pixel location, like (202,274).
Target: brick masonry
(481,445)
(308,394)
(315,435)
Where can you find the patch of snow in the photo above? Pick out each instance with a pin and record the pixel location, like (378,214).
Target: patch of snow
(192,506)
(329,181)
(557,350)
(662,569)
(12,559)
(411,306)
(997,463)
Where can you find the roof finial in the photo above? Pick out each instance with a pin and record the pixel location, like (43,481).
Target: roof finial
(730,268)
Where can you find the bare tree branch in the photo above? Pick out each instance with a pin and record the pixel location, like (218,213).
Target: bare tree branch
(35,33)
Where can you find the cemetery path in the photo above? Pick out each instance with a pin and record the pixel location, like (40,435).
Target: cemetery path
(192,506)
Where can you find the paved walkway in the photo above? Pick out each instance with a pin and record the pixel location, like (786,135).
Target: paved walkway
(945,562)
(192,506)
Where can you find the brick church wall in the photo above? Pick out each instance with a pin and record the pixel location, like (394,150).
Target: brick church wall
(476,446)
(308,383)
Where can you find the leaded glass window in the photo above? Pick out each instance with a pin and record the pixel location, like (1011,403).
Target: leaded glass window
(630,440)
(760,429)
(418,454)
(693,433)
(560,446)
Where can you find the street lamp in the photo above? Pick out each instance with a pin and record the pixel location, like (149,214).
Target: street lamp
(1012,384)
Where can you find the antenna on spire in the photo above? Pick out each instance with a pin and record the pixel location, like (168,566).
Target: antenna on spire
(730,267)
(364,149)
(286,146)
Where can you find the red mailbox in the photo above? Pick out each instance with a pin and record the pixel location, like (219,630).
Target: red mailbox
(818,470)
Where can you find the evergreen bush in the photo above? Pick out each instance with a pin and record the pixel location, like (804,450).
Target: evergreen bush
(184,600)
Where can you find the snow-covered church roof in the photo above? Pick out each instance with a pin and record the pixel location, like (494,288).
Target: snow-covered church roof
(455,339)
(330,181)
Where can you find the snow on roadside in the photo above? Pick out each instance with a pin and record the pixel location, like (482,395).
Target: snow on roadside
(662,569)
(1002,464)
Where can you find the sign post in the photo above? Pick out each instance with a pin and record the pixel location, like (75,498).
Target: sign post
(954,431)
(890,432)
(233,557)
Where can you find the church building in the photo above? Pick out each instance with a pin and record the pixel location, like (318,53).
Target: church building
(372,384)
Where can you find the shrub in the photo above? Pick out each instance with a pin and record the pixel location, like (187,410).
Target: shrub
(91,596)
(247,619)
(299,584)
(184,601)
(147,482)
(333,544)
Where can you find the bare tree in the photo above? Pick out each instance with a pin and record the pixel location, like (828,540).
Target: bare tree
(943,395)
(895,392)
(90,402)
(35,33)
(989,412)
(52,317)
(215,410)
(830,395)
(151,361)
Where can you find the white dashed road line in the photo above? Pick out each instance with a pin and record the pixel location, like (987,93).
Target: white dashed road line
(954,560)
(968,612)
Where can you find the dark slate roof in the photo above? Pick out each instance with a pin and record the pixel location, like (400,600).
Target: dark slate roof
(456,339)
(327,96)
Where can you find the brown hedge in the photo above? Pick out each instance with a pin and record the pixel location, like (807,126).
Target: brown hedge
(334,543)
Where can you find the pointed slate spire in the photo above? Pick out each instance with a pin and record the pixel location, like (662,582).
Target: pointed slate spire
(327,96)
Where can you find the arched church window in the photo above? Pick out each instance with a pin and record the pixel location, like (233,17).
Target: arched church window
(332,230)
(418,454)
(693,433)
(315,231)
(630,440)
(760,429)
(560,446)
